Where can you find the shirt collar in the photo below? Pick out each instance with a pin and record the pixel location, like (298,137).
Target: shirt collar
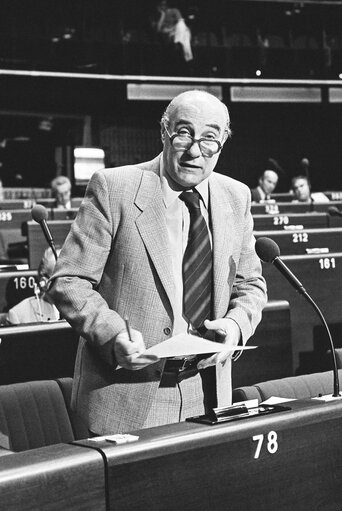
(169,195)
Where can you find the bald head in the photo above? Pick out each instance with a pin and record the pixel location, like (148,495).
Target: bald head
(268,181)
(196,97)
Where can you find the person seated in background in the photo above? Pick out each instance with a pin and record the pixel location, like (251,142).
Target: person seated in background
(61,191)
(170,23)
(267,183)
(301,188)
(37,308)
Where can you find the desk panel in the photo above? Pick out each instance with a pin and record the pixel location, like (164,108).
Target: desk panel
(273,357)
(288,460)
(37,351)
(14,218)
(321,275)
(306,241)
(55,478)
(291,221)
(15,286)
(281,207)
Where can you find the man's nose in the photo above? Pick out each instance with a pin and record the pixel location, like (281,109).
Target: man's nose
(195,150)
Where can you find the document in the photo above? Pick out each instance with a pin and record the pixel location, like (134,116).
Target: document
(182,345)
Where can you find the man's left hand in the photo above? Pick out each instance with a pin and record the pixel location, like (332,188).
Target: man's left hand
(230,333)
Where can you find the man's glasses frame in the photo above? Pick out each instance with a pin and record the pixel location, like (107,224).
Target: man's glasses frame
(188,141)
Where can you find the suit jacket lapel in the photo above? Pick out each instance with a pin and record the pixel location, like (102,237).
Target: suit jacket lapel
(222,230)
(151,225)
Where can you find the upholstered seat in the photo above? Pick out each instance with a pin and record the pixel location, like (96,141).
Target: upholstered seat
(295,387)
(36,413)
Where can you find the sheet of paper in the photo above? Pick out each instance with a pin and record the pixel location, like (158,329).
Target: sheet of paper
(327,397)
(182,345)
(273,400)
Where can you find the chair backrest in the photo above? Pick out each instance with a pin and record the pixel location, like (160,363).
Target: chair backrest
(294,387)
(36,414)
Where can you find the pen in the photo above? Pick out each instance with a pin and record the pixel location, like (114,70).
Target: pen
(128,330)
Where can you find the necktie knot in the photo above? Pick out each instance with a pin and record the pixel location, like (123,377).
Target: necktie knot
(191,199)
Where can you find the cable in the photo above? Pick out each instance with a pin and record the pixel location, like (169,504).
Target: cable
(181,402)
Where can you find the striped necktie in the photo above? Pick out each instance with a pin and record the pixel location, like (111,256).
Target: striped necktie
(197,265)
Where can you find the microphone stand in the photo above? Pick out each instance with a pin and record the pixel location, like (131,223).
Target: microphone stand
(335,370)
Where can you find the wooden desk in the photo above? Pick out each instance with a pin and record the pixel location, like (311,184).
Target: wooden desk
(288,460)
(306,241)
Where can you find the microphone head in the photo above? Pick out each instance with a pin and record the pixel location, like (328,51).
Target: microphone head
(267,249)
(39,213)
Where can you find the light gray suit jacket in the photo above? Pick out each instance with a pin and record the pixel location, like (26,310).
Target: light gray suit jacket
(116,262)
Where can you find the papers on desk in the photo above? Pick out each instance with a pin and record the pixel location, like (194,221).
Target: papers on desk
(182,345)
(327,397)
(274,400)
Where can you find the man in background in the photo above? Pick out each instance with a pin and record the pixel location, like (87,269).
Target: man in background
(37,308)
(61,191)
(267,184)
(169,245)
(301,188)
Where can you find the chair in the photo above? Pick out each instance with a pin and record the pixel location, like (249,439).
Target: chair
(294,387)
(36,414)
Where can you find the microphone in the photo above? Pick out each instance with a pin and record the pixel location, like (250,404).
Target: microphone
(334,211)
(305,165)
(269,252)
(39,214)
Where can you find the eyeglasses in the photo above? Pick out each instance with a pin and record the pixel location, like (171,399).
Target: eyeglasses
(183,142)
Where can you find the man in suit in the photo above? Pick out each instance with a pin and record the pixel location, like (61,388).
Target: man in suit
(123,258)
(267,183)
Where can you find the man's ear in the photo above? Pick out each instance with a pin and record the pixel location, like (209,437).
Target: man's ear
(162,134)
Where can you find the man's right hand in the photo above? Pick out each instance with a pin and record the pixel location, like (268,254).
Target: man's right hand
(129,354)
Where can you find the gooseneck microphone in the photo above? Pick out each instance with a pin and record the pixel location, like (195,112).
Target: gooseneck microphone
(39,214)
(269,252)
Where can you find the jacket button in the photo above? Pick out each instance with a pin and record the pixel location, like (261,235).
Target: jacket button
(167,330)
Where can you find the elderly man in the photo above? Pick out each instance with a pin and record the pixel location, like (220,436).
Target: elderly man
(61,191)
(267,183)
(167,243)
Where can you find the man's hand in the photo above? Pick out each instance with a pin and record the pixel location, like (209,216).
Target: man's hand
(129,353)
(230,333)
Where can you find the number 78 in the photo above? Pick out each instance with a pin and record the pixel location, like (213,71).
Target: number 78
(272,444)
